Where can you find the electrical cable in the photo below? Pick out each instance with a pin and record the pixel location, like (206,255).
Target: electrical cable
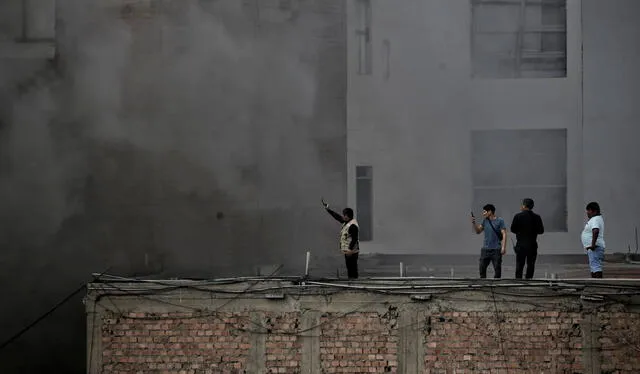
(43,316)
(365,284)
(211,313)
(200,313)
(300,333)
(499,324)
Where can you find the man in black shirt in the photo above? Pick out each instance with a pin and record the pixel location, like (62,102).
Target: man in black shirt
(349,244)
(527,225)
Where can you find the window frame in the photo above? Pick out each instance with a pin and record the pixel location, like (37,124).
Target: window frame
(519,55)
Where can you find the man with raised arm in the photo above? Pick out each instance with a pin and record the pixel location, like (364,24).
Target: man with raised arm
(348,239)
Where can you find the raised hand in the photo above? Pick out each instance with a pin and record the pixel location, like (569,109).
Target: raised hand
(324,203)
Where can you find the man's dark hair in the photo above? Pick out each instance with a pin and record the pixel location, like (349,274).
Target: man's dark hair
(593,206)
(348,212)
(489,208)
(527,203)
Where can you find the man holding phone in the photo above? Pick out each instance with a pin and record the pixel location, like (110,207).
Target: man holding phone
(495,240)
(348,239)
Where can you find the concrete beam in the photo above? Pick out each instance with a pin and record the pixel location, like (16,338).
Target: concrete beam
(32,50)
(310,343)
(590,327)
(411,345)
(94,335)
(257,355)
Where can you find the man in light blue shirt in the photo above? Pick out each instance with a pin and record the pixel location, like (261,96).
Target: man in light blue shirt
(495,240)
(593,239)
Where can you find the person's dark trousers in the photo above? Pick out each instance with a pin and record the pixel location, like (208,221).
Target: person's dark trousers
(528,257)
(490,256)
(352,265)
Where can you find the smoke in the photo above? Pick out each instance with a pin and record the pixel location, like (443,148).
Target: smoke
(33,183)
(180,130)
(227,102)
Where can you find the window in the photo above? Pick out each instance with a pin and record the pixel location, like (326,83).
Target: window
(364,201)
(519,38)
(25,21)
(509,165)
(363,34)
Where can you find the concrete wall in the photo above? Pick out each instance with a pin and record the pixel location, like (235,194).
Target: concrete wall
(191,141)
(499,328)
(611,172)
(412,119)
(27,20)
(27,29)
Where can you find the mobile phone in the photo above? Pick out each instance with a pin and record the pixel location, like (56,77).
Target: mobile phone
(472,214)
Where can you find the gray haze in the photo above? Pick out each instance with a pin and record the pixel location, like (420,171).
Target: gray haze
(177,104)
(448,126)
(194,139)
(171,138)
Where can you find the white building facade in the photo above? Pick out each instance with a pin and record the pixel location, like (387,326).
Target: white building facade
(453,104)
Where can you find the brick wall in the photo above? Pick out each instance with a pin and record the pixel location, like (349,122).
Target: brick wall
(188,343)
(620,342)
(541,341)
(174,343)
(360,342)
(357,332)
(282,351)
(466,342)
